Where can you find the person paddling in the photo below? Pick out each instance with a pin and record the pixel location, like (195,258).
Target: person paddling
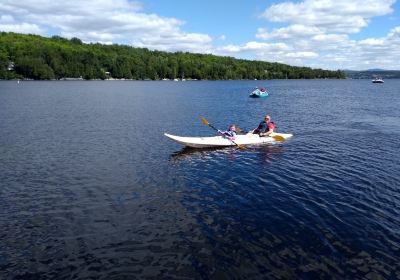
(230,133)
(265,128)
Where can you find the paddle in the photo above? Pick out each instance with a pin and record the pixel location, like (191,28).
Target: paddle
(278,138)
(203,120)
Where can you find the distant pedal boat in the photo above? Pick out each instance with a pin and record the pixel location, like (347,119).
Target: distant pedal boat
(258,94)
(220,141)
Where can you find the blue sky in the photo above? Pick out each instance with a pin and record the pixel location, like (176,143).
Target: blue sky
(329,34)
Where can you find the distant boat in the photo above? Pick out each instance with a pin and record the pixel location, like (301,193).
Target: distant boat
(259,93)
(377,81)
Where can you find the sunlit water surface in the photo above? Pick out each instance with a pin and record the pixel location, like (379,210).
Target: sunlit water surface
(91,189)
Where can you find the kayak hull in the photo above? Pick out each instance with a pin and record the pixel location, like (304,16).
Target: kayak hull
(220,141)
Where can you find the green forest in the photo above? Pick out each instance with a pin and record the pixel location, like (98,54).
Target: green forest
(41,58)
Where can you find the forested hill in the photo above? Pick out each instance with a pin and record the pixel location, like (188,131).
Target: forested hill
(370,74)
(41,58)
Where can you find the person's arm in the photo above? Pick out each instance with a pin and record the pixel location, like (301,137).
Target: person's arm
(267,133)
(231,135)
(257,128)
(224,133)
(270,130)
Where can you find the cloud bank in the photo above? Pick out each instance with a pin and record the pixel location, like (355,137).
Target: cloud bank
(104,21)
(324,28)
(315,33)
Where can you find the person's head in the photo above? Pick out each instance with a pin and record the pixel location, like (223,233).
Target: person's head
(232,127)
(267,118)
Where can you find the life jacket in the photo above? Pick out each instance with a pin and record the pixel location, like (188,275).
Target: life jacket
(230,133)
(264,127)
(271,125)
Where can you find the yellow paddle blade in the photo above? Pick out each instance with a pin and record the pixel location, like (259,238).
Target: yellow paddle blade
(278,138)
(203,120)
(238,129)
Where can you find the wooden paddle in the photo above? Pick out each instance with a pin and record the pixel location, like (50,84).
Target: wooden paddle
(204,121)
(278,138)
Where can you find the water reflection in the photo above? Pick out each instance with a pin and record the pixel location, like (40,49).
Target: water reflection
(190,153)
(268,152)
(265,153)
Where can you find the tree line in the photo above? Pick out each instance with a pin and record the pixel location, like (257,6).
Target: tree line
(370,74)
(41,58)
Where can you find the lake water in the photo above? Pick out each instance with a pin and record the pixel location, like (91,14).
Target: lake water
(91,189)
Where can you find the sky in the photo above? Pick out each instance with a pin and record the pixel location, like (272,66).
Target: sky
(328,34)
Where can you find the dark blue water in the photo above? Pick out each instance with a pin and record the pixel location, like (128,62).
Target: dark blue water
(91,189)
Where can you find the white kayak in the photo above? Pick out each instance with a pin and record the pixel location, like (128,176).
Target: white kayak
(220,141)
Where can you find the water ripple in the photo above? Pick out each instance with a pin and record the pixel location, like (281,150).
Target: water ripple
(91,189)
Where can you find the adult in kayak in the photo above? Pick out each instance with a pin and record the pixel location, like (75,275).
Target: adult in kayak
(263,89)
(265,128)
(230,133)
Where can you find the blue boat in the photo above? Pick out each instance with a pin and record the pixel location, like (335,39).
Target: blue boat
(259,93)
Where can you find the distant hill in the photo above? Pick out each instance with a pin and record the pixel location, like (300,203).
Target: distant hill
(371,73)
(41,58)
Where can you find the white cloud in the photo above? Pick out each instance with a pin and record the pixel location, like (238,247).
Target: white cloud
(292,31)
(328,51)
(26,28)
(301,55)
(394,34)
(331,42)
(381,52)
(273,52)
(252,47)
(192,42)
(372,42)
(329,15)
(318,34)
(8,24)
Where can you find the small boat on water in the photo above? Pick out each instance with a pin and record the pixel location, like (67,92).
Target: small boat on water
(377,81)
(257,93)
(220,141)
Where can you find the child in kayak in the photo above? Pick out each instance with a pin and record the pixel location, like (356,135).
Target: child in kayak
(230,133)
